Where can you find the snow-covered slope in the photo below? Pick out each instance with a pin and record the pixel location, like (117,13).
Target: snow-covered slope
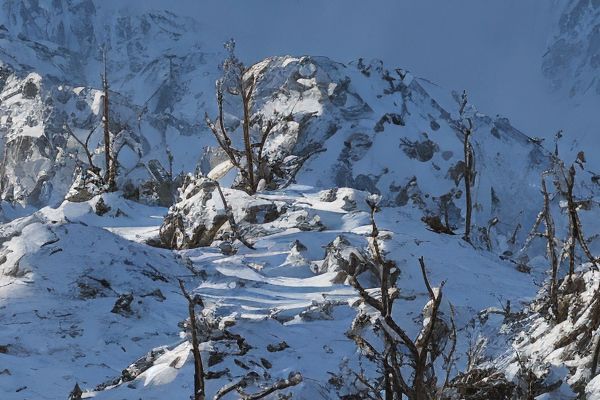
(66,268)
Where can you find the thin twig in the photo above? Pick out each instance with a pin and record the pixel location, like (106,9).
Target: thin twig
(425,279)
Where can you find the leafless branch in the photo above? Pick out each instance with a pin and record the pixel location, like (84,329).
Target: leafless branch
(425,279)
(294,379)
(84,145)
(449,359)
(422,352)
(199,388)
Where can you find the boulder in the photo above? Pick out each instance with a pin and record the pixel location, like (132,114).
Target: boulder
(200,215)
(196,218)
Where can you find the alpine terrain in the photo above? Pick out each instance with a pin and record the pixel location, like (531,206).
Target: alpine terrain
(180,222)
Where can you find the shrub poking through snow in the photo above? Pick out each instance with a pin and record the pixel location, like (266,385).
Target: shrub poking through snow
(434,345)
(251,162)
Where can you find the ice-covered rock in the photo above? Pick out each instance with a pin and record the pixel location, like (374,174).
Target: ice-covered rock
(345,259)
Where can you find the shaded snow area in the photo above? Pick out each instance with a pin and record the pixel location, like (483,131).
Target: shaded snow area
(362,169)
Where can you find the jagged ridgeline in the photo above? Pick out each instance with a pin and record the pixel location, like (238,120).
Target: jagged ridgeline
(378,129)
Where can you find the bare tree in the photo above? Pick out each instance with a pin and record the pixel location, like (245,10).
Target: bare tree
(549,234)
(294,378)
(565,183)
(575,227)
(251,161)
(110,168)
(199,388)
(469,163)
(421,352)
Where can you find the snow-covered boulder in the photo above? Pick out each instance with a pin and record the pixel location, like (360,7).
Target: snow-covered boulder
(200,213)
(345,259)
(87,184)
(195,220)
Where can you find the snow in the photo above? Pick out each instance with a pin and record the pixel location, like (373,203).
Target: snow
(63,267)
(112,248)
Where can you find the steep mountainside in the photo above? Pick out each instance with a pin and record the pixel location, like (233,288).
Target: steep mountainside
(573,57)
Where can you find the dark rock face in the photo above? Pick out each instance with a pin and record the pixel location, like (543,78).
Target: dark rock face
(101,207)
(388,118)
(366,183)
(4,74)
(422,150)
(261,213)
(30,90)
(355,147)
(345,259)
(123,305)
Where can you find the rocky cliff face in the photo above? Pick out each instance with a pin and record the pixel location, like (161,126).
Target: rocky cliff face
(573,57)
(50,72)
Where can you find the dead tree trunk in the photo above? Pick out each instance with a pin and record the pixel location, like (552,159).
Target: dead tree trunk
(572,211)
(550,235)
(575,228)
(109,162)
(246,93)
(231,219)
(3,178)
(469,158)
(199,388)
(595,358)
(263,171)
